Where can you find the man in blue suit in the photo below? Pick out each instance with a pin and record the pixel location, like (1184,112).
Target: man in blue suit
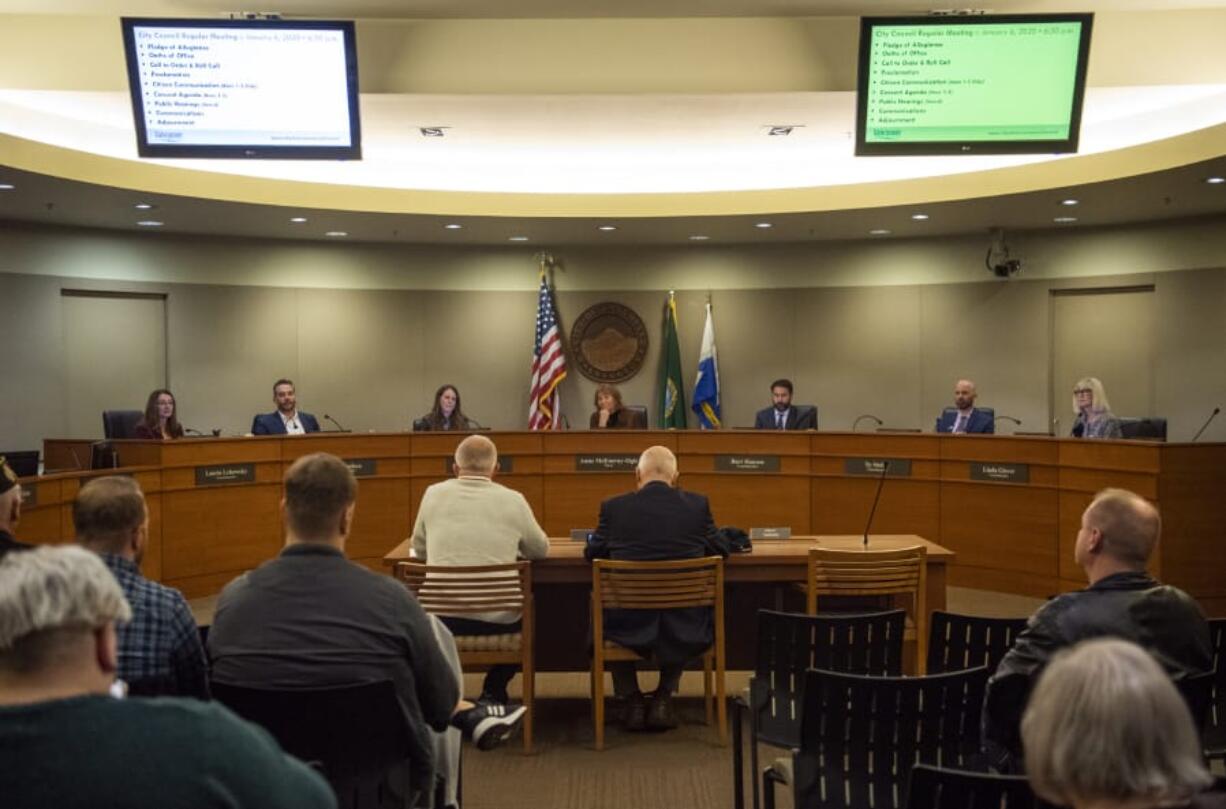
(286,419)
(782,414)
(963,417)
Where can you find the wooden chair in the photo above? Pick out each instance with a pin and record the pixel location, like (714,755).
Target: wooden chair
(464,591)
(658,586)
(901,572)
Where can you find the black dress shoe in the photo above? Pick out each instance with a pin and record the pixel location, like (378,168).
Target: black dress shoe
(635,717)
(660,714)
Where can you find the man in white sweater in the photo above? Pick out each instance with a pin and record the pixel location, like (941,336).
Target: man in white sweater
(468,521)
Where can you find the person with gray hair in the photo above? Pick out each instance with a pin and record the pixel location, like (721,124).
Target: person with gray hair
(1119,531)
(160,653)
(66,742)
(10,509)
(1106,727)
(471,521)
(656,522)
(1094,416)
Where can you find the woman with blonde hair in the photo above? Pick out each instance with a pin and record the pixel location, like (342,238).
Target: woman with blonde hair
(1094,416)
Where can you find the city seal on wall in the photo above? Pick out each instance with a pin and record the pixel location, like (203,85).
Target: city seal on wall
(608,342)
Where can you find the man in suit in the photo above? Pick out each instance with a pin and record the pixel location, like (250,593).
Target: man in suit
(286,419)
(964,417)
(781,415)
(654,523)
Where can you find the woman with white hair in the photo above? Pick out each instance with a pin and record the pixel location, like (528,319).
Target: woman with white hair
(1094,416)
(1106,729)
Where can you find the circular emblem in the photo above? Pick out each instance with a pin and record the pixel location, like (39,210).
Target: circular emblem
(608,342)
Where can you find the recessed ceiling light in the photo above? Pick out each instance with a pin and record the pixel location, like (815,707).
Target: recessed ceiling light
(879,232)
(298,220)
(453,226)
(144,206)
(1210,180)
(518,239)
(1064,220)
(763,225)
(1070,202)
(607,228)
(919,217)
(149,223)
(337,233)
(7,186)
(699,238)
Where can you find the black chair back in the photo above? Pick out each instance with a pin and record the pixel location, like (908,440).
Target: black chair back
(120,423)
(638,416)
(860,736)
(1197,692)
(957,642)
(1214,733)
(936,788)
(1143,429)
(354,733)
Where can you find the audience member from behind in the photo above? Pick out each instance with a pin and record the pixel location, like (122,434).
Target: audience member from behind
(965,417)
(782,414)
(655,523)
(161,419)
(472,521)
(287,419)
(1094,416)
(446,414)
(66,743)
(1119,531)
(10,509)
(1106,728)
(611,414)
(159,649)
(312,619)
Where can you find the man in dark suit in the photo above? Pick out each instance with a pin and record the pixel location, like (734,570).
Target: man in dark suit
(964,417)
(286,419)
(781,415)
(655,523)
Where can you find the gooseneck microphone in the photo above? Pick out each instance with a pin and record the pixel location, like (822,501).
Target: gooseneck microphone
(1212,416)
(339,428)
(1018,422)
(565,422)
(192,431)
(859,419)
(885,467)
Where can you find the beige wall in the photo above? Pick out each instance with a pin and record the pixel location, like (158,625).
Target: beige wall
(369,331)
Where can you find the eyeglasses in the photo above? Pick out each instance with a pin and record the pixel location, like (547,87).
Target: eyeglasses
(1082,390)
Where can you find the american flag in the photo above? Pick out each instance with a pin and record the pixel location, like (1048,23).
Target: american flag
(548,364)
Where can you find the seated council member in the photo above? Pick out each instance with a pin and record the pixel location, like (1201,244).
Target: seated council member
(1094,416)
(965,417)
(781,415)
(446,414)
(10,509)
(611,414)
(287,419)
(65,742)
(161,419)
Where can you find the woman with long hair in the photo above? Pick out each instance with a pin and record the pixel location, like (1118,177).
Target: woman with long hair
(161,419)
(1094,416)
(446,414)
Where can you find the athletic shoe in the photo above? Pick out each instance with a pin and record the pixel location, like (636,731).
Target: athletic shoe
(489,724)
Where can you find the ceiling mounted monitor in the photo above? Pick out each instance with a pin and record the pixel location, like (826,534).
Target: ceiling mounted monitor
(995,84)
(244,88)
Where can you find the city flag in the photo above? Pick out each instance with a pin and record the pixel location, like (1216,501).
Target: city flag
(672,397)
(706,386)
(548,364)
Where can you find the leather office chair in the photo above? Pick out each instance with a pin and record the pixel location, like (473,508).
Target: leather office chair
(1143,429)
(894,573)
(120,423)
(461,591)
(666,585)
(638,416)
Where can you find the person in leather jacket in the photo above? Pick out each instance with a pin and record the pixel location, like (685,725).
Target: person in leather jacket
(1119,531)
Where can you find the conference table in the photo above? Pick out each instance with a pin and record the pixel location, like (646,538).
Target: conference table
(1007,507)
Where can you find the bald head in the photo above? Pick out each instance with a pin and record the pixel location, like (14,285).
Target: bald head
(964,394)
(656,464)
(1128,524)
(476,455)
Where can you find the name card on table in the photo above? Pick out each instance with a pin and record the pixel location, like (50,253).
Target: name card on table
(872,467)
(506,464)
(29,495)
(362,467)
(225,473)
(606,463)
(746,463)
(771,532)
(1001,472)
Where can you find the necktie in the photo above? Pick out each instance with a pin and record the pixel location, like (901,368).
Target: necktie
(960,424)
(778,420)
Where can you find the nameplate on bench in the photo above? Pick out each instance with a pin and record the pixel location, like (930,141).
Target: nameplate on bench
(1001,472)
(580,534)
(362,467)
(606,463)
(771,532)
(872,467)
(746,463)
(225,473)
(506,464)
(29,495)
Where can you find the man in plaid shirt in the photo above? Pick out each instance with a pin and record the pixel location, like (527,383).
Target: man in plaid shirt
(160,653)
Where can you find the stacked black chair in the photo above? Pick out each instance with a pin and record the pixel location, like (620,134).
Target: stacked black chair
(860,737)
(355,735)
(788,646)
(937,788)
(957,642)
(1214,730)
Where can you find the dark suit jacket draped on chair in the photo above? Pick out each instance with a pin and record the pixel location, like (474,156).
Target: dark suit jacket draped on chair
(271,423)
(800,417)
(653,524)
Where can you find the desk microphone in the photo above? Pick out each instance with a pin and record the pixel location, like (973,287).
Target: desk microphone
(474,423)
(856,423)
(192,431)
(885,467)
(1212,416)
(339,428)
(1018,422)
(565,422)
